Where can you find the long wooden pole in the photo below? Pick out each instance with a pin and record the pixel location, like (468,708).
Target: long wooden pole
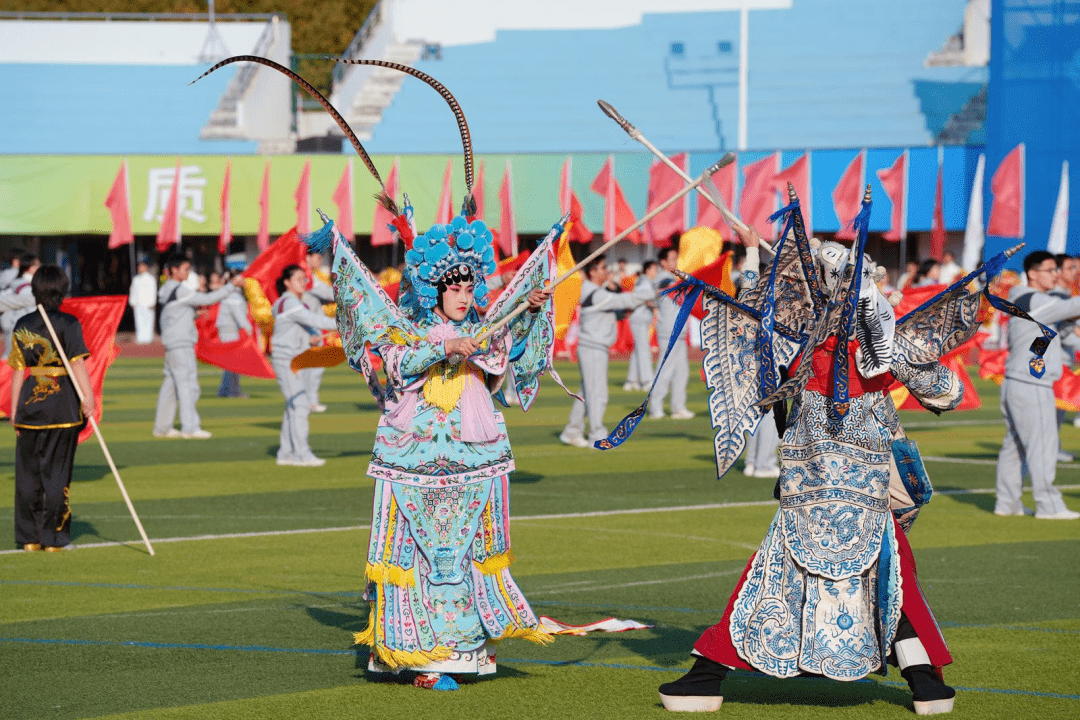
(93,424)
(600,250)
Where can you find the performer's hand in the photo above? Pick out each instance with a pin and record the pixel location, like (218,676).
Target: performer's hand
(237,280)
(537,298)
(464,346)
(314,340)
(88,407)
(749,236)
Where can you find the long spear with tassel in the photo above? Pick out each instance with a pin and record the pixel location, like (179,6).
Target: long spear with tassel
(93,424)
(694,184)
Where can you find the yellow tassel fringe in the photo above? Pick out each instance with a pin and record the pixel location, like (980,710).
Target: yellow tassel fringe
(385,574)
(496,563)
(535,635)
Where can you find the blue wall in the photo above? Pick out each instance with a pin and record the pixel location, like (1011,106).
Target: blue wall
(1034,98)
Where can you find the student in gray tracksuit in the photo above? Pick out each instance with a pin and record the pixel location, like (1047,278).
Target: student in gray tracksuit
(232,318)
(19,288)
(1027,402)
(596,335)
(676,371)
(639,374)
(295,326)
(319,294)
(177,302)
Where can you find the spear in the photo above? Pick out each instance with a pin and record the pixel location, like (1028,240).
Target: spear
(707,190)
(694,184)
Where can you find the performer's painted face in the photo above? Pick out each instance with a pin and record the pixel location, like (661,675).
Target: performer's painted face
(457,300)
(833,258)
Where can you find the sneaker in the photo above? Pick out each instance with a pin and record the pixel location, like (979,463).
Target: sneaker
(1020,513)
(929,693)
(682,415)
(1064,457)
(630,386)
(657,415)
(767,473)
(286,461)
(697,690)
(748,471)
(318,408)
(170,433)
(197,435)
(311,461)
(575,440)
(31,547)
(1063,515)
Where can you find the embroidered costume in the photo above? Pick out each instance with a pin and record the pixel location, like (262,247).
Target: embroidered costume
(832,589)
(439,550)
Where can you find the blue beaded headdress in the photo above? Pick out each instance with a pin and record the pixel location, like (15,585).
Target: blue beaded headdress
(459,249)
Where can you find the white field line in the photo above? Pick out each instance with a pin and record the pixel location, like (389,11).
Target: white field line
(560,590)
(563,516)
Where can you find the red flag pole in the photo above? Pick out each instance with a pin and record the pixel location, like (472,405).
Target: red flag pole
(93,423)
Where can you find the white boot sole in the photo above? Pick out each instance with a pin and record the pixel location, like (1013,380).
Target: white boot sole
(691,703)
(934,707)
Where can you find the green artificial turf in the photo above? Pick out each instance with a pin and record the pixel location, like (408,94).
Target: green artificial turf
(259,625)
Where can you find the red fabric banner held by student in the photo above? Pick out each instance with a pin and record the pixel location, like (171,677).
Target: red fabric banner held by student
(241,356)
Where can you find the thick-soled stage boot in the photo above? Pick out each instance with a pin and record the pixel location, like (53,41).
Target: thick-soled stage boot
(928,691)
(697,690)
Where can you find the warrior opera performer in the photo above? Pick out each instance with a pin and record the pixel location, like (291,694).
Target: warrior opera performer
(438,579)
(832,590)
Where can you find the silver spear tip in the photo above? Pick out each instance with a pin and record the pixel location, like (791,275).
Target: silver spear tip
(866,195)
(1014,249)
(612,113)
(723,162)
(792,197)
(322,215)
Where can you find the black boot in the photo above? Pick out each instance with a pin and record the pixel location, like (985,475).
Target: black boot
(928,691)
(697,690)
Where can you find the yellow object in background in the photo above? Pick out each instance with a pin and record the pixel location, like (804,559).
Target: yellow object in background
(567,294)
(699,247)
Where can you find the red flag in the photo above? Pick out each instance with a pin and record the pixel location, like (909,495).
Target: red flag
(663,183)
(241,356)
(617,213)
(894,180)
(847,196)
(343,198)
(382,232)
(264,210)
(1007,185)
(119,204)
(169,232)
(568,202)
(99,316)
(798,174)
(937,227)
(444,213)
(508,237)
(226,212)
(717,274)
(758,200)
(288,249)
(478,191)
(303,201)
(708,214)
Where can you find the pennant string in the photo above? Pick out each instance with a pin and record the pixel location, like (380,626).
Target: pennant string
(626,426)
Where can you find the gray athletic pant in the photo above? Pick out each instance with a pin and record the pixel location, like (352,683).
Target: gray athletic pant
(673,377)
(640,370)
(313,379)
(180,388)
(593,363)
(1030,438)
(761,446)
(294,423)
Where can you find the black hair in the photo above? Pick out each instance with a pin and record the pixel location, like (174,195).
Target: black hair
(925,267)
(666,252)
(286,274)
(1060,259)
(1036,258)
(26,260)
(648,264)
(49,285)
(454,276)
(16,253)
(175,262)
(598,260)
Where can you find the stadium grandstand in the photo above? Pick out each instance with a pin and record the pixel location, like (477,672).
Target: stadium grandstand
(829,79)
